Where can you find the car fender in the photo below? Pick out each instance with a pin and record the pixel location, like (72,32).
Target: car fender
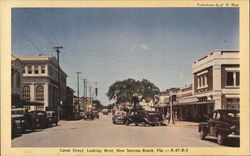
(203,126)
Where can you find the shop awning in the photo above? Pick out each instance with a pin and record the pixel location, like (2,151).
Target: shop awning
(195,103)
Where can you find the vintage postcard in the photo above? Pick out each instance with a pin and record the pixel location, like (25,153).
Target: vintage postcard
(120,77)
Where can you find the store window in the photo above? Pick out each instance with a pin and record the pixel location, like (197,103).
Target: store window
(233,78)
(29,69)
(43,69)
(36,69)
(202,81)
(230,79)
(26,93)
(24,71)
(40,93)
(18,80)
(237,78)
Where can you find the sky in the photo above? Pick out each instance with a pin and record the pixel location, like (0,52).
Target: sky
(113,44)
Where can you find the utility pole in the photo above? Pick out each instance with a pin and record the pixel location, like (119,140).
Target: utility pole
(78,88)
(57,49)
(85,87)
(90,95)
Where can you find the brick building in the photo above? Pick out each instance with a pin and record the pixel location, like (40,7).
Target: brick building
(216,79)
(216,85)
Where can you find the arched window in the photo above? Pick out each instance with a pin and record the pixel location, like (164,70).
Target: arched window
(26,93)
(39,93)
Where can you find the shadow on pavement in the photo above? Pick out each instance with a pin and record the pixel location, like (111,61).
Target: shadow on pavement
(229,143)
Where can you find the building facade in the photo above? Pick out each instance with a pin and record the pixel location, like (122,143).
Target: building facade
(216,79)
(41,84)
(16,82)
(216,85)
(68,108)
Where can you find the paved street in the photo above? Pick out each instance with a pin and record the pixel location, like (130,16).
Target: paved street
(102,133)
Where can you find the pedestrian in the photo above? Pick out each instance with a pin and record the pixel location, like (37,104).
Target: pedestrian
(168,117)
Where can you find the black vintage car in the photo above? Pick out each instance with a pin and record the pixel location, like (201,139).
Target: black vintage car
(119,117)
(89,115)
(145,118)
(96,114)
(16,124)
(52,118)
(223,124)
(42,119)
(21,120)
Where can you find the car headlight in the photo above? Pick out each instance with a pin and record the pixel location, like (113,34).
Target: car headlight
(233,127)
(18,121)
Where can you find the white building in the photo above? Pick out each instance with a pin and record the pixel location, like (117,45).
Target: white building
(40,82)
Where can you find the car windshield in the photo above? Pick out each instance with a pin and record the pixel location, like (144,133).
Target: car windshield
(40,113)
(153,113)
(233,115)
(121,113)
(16,112)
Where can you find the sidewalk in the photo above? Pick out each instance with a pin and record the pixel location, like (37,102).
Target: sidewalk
(183,123)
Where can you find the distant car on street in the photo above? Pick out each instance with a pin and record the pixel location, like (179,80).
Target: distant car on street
(43,121)
(105,112)
(119,117)
(224,124)
(82,115)
(52,118)
(145,118)
(89,115)
(96,114)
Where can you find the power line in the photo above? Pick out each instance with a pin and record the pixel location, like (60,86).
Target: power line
(27,38)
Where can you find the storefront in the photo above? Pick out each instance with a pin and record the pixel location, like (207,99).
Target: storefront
(196,111)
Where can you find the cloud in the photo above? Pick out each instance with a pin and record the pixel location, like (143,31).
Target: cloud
(143,46)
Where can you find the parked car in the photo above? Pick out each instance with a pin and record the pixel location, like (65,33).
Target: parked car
(96,114)
(105,112)
(82,114)
(30,121)
(43,121)
(89,115)
(145,118)
(223,124)
(16,121)
(52,118)
(157,116)
(119,117)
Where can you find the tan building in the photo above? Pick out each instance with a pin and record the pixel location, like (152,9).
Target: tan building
(216,79)
(216,85)
(40,83)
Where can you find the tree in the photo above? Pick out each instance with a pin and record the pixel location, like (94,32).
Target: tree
(132,91)
(98,104)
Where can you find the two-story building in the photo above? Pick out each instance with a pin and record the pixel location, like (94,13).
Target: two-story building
(216,79)
(40,83)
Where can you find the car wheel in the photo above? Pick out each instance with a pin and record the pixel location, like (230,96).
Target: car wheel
(221,139)
(136,124)
(202,134)
(127,123)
